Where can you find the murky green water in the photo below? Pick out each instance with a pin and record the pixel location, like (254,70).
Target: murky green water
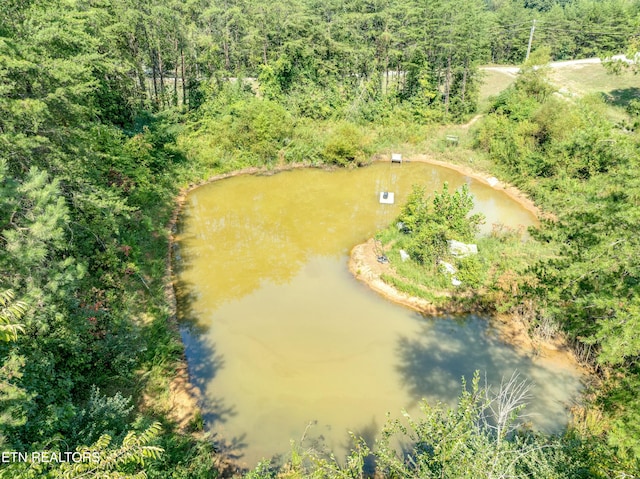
(278,333)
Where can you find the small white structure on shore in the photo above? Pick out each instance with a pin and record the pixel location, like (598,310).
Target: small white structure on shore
(386,197)
(448,267)
(493,181)
(396,158)
(460,250)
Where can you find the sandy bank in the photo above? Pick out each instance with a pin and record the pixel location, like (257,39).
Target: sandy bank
(364,266)
(511,191)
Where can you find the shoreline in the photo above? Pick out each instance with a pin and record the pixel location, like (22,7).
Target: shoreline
(185,398)
(363,265)
(510,190)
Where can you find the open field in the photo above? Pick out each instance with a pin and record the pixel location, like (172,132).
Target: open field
(618,90)
(494,80)
(593,78)
(581,77)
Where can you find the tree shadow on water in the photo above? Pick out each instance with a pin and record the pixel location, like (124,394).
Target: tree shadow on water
(182,260)
(204,363)
(432,363)
(203,360)
(368,434)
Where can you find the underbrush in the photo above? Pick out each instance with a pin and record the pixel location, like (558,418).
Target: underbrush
(503,258)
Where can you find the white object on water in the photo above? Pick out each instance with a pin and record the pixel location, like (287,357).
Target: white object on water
(386,197)
(460,249)
(396,158)
(404,256)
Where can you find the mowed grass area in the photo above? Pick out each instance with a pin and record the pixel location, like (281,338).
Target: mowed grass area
(617,90)
(493,82)
(580,80)
(593,78)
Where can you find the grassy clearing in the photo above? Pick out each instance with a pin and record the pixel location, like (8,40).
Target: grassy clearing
(593,78)
(617,90)
(493,82)
(579,80)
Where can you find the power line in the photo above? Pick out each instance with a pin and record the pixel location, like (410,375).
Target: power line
(542,26)
(527,22)
(587,32)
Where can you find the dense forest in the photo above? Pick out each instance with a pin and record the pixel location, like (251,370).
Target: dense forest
(109,107)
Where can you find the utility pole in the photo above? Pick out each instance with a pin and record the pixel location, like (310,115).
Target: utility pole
(533,28)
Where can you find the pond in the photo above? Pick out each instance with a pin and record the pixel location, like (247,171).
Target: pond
(278,333)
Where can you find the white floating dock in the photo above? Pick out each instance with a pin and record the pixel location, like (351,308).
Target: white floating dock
(386,197)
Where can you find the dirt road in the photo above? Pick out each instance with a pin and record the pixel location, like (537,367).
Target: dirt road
(511,70)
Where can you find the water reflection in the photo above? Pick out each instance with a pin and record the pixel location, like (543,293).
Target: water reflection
(268,227)
(445,350)
(278,334)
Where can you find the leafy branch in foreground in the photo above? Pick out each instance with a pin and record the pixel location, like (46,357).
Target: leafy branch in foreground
(10,313)
(135,449)
(101,460)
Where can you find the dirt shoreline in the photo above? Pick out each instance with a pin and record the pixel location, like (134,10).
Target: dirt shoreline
(364,266)
(185,398)
(510,190)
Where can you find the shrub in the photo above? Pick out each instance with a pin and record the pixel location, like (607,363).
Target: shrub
(431,225)
(471,271)
(347,144)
